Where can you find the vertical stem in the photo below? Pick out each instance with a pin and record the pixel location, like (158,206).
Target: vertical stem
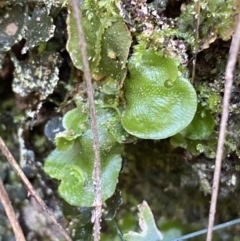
(97,164)
(233,53)
(196,21)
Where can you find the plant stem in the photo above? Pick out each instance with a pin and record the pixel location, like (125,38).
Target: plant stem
(30,188)
(10,213)
(233,53)
(217,227)
(97,213)
(119,232)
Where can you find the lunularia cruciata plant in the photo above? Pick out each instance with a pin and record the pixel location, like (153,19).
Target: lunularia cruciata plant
(159,102)
(149,230)
(73,159)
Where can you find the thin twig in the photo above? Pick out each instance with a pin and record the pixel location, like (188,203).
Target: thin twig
(10,213)
(204,231)
(196,20)
(29,186)
(232,59)
(119,232)
(97,164)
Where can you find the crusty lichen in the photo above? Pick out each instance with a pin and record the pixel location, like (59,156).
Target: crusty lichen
(38,74)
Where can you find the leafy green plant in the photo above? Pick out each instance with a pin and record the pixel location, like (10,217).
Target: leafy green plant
(157,106)
(108,42)
(195,136)
(157,100)
(147,224)
(73,160)
(216,19)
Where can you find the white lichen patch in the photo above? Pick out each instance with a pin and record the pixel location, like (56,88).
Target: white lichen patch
(39,75)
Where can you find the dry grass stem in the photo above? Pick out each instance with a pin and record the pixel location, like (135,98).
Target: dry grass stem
(232,59)
(96,217)
(30,188)
(10,213)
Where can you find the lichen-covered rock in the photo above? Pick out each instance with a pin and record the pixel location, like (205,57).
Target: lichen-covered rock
(11,26)
(37,74)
